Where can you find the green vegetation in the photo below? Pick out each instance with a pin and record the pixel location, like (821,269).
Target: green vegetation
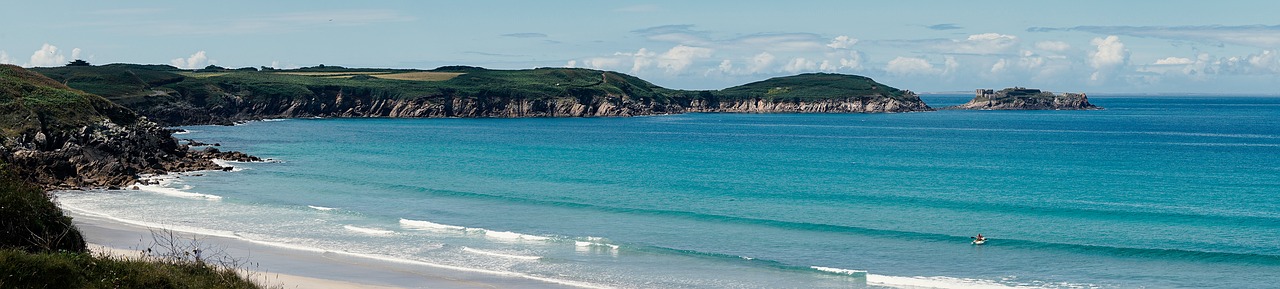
(30,222)
(80,270)
(171,95)
(30,102)
(815,86)
(41,248)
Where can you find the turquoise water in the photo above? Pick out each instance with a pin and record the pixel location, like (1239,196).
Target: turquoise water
(1156,192)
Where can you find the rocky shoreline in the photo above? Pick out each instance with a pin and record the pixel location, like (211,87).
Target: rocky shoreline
(106,155)
(235,109)
(61,138)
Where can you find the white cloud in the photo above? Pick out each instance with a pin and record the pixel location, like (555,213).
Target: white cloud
(674,61)
(986,43)
(1055,46)
(48,55)
(571,64)
(4,58)
(799,64)
(75,53)
(827,66)
(726,66)
(760,62)
(1109,55)
(842,42)
(678,59)
(854,62)
(195,61)
(911,66)
(603,63)
(951,65)
(1173,61)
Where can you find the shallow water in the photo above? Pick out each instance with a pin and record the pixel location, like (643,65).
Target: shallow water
(1152,192)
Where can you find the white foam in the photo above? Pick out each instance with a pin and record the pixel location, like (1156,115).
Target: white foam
(834,270)
(370,231)
(583,244)
(182,132)
(162,189)
(512,236)
(933,282)
(233,235)
(227,164)
(495,254)
(425,225)
(321,208)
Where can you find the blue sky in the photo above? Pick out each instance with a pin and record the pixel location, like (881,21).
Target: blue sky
(926,46)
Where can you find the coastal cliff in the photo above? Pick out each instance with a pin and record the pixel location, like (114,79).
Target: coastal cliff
(60,137)
(1018,98)
(177,97)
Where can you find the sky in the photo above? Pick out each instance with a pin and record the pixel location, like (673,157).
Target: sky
(1221,47)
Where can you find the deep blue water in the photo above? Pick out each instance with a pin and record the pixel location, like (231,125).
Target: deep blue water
(1157,192)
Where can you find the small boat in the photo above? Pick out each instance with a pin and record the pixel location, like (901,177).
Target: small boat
(979,241)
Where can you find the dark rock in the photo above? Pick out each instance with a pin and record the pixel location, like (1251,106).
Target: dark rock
(1019,98)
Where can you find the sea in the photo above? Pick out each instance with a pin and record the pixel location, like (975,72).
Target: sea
(1152,192)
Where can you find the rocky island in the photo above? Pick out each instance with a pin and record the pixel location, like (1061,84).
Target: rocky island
(216,95)
(1019,98)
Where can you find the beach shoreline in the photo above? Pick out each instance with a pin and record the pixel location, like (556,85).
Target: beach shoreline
(296,268)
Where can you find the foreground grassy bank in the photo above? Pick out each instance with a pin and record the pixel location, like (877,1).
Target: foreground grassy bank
(41,248)
(83,270)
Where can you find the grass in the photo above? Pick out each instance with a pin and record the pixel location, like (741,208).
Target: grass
(31,103)
(41,248)
(420,76)
(333,73)
(83,270)
(203,74)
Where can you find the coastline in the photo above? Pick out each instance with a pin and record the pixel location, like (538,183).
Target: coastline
(298,268)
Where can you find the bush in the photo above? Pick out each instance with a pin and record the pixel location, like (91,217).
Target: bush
(30,221)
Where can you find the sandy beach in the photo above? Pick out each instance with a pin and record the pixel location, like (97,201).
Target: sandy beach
(296,268)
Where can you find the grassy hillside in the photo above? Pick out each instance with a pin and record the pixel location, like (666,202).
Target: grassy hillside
(30,102)
(175,96)
(814,86)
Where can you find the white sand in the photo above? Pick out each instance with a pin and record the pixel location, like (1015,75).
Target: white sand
(292,268)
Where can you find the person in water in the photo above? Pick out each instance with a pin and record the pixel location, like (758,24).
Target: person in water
(980,237)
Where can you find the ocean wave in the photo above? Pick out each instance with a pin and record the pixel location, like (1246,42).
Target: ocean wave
(504,235)
(369,231)
(933,282)
(496,254)
(319,208)
(425,225)
(839,271)
(161,187)
(378,257)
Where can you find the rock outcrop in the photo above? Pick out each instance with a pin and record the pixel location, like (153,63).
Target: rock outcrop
(1019,98)
(59,137)
(103,154)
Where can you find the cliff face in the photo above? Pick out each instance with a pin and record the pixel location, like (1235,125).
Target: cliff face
(176,97)
(64,138)
(1027,99)
(346,105)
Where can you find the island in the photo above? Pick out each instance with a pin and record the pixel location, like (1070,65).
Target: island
(1020,98)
